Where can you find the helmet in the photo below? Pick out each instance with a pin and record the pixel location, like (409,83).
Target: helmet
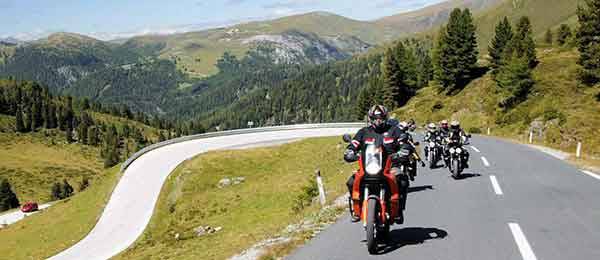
(431,126)
(403,125)
(455,124)
(403,137)
(378,116)
(444,124)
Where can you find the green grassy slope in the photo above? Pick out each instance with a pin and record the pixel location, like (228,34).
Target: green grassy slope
(33,162)
(567,111)
(543,14)
(249,212)
(44,234)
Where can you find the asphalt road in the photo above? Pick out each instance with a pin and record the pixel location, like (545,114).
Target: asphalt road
(16,215)
(131,205)
(514,203)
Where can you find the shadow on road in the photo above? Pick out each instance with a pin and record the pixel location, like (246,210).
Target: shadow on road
(419,188)
(411,236)
(467,175)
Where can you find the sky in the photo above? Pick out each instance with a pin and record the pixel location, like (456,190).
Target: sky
(110,19)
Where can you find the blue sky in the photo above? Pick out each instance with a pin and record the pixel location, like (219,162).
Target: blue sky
(107,19)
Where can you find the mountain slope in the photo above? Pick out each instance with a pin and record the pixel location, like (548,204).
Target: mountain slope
(62,59)
(431,16)
(558,119)
(543,14)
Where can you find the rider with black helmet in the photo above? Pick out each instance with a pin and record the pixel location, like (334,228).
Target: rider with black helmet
(379,126)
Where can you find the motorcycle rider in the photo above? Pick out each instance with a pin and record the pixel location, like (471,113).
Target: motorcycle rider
(457,135)
(444,131)
(379,126)
(429,137)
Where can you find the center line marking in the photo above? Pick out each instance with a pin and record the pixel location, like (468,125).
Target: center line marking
(485,161)
(522,243)
(495,185)
(475,148)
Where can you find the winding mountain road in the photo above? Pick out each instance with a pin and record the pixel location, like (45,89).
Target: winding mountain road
(132,202)
(515,202)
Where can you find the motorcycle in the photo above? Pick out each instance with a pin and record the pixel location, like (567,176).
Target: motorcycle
(433,150)
(457,158)
(378,204)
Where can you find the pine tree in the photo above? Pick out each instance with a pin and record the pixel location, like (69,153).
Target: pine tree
(522,44)
(443,68)
(92,135)
(84,184)
(19,120)
(548,37)
(56,191)
(503,36)
(514,79)
(67,189)
(588,41)
(8,199)
(563,35)
(456,51)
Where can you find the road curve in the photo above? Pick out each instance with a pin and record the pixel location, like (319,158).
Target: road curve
(133,200)
(515,202)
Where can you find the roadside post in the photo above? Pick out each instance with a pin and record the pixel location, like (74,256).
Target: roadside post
(578,153)
(321,188)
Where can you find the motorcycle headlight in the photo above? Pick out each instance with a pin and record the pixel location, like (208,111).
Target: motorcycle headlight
(431,144)
(458,150)
(452,150)
(373,168)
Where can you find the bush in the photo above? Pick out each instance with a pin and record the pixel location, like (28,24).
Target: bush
(305,197)
(554,114)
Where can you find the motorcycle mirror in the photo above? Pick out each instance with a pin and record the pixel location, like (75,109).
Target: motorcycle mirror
(417,143)
(469,135)
(347,138)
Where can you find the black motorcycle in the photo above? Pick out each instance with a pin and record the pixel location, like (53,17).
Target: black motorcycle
(433,150)
(457,158)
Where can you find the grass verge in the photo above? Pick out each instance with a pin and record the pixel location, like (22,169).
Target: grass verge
(265,203)
(44,234)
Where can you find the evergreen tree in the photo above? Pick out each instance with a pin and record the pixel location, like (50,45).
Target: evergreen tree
(563,35)
(456,51)
(503,36)
(28,119)
(588,41)
(19,120)
(56,191)
(161,136)
(522,44)
(515,80)
(8,199)
(444,68)
(69,135)
(548,37)
(84,184)
(67,189)
(92,135)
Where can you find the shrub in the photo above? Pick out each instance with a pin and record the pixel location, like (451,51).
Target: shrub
(304,198)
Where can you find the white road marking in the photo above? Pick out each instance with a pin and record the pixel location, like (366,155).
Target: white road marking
(475,148)
(524,248)
(495,185)
(485,161)
(591,174)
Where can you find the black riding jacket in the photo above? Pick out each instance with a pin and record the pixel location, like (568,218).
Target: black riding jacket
(389,133)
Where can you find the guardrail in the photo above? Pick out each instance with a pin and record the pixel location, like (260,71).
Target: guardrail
(235,132)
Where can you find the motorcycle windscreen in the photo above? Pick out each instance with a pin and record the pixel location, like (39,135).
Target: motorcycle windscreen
(373,159)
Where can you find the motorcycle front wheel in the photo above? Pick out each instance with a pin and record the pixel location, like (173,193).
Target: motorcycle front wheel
(455,168)
(372,226)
